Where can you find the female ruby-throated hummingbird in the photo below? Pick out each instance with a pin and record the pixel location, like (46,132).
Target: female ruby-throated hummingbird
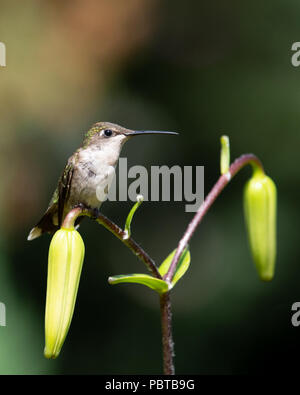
(86,174)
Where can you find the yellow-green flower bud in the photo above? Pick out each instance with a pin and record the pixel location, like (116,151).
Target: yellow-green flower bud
(65,260)
(260,212)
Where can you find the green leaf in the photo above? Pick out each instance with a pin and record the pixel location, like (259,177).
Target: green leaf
(182,266)
(156,284)
(140,200)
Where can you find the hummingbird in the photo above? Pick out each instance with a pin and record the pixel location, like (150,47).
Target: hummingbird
(86,173)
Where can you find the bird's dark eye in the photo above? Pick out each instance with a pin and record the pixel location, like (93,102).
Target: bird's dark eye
(107,132)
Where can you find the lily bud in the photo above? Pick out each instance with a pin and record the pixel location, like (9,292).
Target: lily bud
(260,211)
(66,254)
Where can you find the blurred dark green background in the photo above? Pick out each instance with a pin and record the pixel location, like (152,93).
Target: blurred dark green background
(198,67)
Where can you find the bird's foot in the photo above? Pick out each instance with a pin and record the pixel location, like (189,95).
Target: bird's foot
(95,213)
(82,206)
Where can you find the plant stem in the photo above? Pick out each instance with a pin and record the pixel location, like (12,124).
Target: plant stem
(165,300)
(167,339)
(130,243)
(224,179)
(71,217)
(118,232)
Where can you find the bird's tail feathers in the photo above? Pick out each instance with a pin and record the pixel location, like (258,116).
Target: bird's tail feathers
(45,224)
(34,233)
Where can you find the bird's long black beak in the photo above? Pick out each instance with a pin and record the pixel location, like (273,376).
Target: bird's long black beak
(140,132)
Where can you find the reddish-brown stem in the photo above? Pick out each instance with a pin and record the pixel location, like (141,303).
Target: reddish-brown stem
(224,179)
(165,301)
(167,339)
(117,231)
(71,217)
(130,243)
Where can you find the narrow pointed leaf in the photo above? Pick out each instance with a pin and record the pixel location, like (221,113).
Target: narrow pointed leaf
(182,267)
(140,200)
(156,284)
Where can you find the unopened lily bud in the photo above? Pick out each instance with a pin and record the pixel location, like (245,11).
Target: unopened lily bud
(66,254)
(260,211)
